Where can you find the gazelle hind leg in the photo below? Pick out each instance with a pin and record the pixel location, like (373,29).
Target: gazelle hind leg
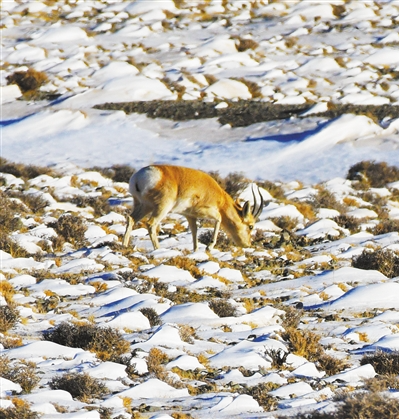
(192,222)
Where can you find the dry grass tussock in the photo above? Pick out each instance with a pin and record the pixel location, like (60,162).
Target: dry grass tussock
(306,343)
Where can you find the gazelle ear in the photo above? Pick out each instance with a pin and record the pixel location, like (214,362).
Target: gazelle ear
(246,209)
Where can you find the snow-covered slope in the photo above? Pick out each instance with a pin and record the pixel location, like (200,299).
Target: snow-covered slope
(285,53)
(204,334)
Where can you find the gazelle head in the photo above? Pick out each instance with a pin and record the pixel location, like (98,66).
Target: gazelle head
(241,232)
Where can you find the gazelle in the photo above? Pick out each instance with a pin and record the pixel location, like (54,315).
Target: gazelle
(160,189)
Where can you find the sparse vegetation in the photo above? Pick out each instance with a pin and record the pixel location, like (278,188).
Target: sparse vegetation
(326,199)
(303,342)
(10,221)
(278,357)
(187,264)
(386,226)
(241,113)
(24,171)
(331,365)
(233,183)
(379,383)
(348,222)
(108,344)
(99,204)
(223,242)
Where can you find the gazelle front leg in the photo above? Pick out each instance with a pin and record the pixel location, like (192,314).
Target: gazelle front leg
(158,215)
(129,227)
(138,213)
(215,235)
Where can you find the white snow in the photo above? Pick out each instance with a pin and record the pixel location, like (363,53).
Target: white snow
(220,53)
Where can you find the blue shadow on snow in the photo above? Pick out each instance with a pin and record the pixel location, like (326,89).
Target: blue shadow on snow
(286,138)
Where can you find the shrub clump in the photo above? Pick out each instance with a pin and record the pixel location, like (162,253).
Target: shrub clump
(326,199)
(223,242)
(29,82)
(383,363)
(260,393)
(152,316)
(304,343)
(222,308)
(71,228)
(20,410)
(385,261)
(117,172)
(10,213)
(80,385)
(363,405)
(10,220)
(156,361)
(20,372)
(331,365)
(233,183)
(349,222)
(386,226)
(372,174)
(99,204)
(8,318)
(106,342)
